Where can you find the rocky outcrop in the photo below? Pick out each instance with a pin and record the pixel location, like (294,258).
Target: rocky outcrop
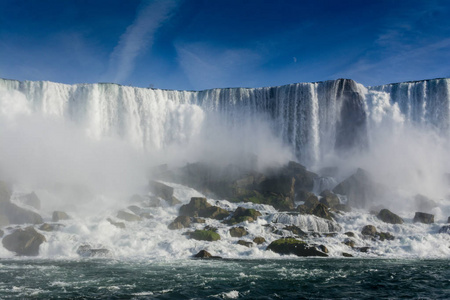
(163,191)
(359,189)
(242,214)
(369,231)
(59,216)
(387,216)
(180,222)
(321,211)
(24,241)
(421,217)
(13,214)
(445,229)
(204,235)
(293,246)
(329,199)
(199,207)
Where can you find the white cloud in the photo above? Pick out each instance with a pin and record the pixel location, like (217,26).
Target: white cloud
(138,37)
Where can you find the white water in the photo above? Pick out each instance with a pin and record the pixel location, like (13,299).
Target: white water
(106,136)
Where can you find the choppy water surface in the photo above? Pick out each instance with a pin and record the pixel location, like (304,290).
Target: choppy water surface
(219,279)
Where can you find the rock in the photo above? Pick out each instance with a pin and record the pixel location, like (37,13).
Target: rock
(180,222)
(295,230)
(198,220)
(126,216)
(24,241)
(329,199)
(50,227)
(163,191)
(59,215)
(423,203)
(387,216)
(120,225)
(242,214)
(344,254)
(32,200)
(214,212)
(343,207)
(369,230)
(385,236)
(88,251)
(245,243)
(294,246)
(350,234)
(321,211)
(145,215)
(199,207)
(204,235)
(445,229)
(303,195)
(135,209)
(259,240)
(362,249)
(359,189)
(349,242)
(13,214)
(322,248)
(423,218)
(5,192)
(238,232)
(203,254)
(311,202)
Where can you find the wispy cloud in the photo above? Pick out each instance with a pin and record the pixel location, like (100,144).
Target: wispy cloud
(138,37)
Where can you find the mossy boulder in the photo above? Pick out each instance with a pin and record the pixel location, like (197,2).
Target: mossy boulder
(287,246)
(242,214)
(205,235)
(422,217)
(387,216)
(238,231)
(24,241)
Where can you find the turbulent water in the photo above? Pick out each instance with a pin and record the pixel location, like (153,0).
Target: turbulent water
(87,148)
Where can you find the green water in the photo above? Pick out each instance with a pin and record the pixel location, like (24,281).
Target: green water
(219,279)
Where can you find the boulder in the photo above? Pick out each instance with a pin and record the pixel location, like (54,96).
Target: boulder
(321,211)
(203,254)
(423,203)
(24,241)
(303,195)
(422,217)
(163,191)
(295,230)
(293,246)
(180,222)
(31,200)
(135,209)
(242,214)
(351,234)
(205,235)
(359,189)
(13,214)
(120,225)
(445,229)
(329,199)
(344,254)
(387,216)
(88,251)
(245,243)
(50,227)
(343,207)
(369,230)
(259,240)
(311,202)
(126,216)
(238,231)
(59,215)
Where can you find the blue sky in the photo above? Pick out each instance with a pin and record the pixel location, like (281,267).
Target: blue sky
(201,44)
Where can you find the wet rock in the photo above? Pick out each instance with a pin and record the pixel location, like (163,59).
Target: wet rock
(363,249)
(344,254)
(238,231)
(199,207)
(303,195)
(329,199)
(24,241)
(242,214)
(359,189)
(59,216)
(204,235)
(423,203)
(13,214)
(126,216)
(198,220)
(422,217)
(321,211)
(445,229)
(145,215)
(349,242)
(294,246)
(88,251)
(50,227)
(245,243)
(31,200)
(385,236)
(387,216)
(311,202)
(203,254)
(343,207)
(163,191)
(180,222)
(295,230)
(135,209)
(322,248)
(369,230)
(350,234)
(259,240)
(120,225)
